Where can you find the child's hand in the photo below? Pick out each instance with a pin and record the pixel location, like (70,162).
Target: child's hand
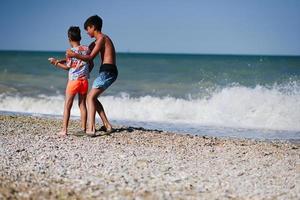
(53,61)
(69,53)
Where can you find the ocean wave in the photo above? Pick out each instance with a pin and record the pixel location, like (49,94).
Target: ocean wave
(235,106)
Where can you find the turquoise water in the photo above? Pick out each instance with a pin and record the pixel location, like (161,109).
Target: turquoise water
(217,91)
(30,73)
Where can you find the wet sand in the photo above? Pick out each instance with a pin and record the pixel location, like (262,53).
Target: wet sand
(135,163)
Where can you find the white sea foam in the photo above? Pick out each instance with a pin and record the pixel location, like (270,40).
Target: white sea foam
(237,107)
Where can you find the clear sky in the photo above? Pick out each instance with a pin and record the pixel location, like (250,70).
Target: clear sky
(161,26)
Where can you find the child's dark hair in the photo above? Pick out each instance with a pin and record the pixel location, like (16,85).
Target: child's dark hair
(74,33)
(95,21)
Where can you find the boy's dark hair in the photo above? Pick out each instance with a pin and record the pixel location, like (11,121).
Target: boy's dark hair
(74,33)
(95,21)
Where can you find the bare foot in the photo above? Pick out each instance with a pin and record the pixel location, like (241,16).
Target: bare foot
(108,128)
(62,133)
(109,131)
(90,133)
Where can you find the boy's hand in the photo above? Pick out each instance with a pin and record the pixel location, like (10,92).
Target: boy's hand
(79,65)
(70,53)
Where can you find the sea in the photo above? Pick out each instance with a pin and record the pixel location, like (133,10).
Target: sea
(243,96)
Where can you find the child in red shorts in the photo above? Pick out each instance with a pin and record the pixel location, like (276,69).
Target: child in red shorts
(78,79)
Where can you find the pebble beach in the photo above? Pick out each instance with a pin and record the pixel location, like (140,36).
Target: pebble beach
(135,163)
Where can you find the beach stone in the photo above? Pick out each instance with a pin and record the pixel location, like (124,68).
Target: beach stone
(141,164)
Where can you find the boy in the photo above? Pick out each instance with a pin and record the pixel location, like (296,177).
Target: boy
(108,71)
(77,80)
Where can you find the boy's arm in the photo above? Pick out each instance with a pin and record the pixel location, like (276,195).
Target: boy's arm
(89,57)
(91,65)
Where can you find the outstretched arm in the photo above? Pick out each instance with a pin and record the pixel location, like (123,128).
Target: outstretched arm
(63,66)
(91,56)
(62,60)
(58,63)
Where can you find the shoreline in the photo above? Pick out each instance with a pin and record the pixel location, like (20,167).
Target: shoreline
(140,163)
(206,133)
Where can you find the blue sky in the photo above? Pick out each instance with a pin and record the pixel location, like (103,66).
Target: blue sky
(204,27)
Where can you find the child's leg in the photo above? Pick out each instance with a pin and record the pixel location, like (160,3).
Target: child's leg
(83,110)
(102,115)
(93,106)
(67,109)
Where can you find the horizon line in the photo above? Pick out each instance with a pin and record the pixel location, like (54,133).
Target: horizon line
(165,53)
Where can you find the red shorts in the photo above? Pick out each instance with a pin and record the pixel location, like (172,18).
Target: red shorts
(80,86)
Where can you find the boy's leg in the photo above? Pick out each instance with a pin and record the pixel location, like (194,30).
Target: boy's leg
(83,110)
(102,115)
(67,109)
(93,106)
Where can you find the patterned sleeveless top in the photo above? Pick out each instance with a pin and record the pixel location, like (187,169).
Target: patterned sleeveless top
(78,69)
